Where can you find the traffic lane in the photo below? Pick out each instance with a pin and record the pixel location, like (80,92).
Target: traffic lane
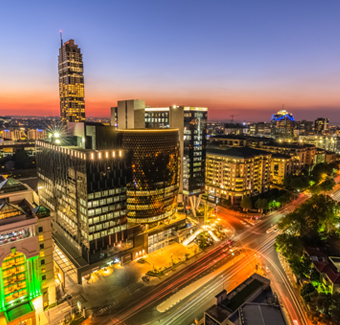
(183,315)
(280,283)
(183,277)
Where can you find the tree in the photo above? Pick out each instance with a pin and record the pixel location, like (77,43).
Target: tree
(306,290)
(327,185)
(301,266)
(320,169)
(289,245)
(202,239)
(261,204)
(246,203)
(315,275)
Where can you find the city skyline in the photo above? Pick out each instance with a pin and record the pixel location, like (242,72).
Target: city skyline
(227,58)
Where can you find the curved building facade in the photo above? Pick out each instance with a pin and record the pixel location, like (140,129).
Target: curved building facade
(152,192)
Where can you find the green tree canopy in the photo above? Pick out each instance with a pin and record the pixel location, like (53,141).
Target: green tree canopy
(246,203)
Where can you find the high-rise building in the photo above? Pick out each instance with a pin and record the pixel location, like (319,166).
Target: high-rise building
(153,189)
(129,113)
(283,125)
(321,124)
(85,189)
(192,125)
(71,83)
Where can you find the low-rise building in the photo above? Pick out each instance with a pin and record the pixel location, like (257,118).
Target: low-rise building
(237,172)
(328,268)
(251,303)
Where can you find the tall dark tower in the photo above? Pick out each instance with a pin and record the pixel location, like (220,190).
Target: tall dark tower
(71,82)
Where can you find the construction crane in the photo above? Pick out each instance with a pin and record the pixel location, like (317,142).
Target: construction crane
(232,118)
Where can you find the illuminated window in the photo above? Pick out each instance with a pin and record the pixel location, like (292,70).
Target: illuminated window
(41,237)
(42,254)
(43,270)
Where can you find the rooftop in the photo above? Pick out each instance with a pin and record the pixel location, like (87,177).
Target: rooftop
(10,184)
(239,152)
(261,314)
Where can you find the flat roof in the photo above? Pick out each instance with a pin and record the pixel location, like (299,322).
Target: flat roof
(236,301)
(218,313)
(237,152)
(261,314)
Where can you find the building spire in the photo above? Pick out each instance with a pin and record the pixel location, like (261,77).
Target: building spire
(61,38)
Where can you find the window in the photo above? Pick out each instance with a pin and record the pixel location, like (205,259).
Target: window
(43,278)
(41,246)
(42,262)
(43,270)
(41,238)
(40,229)
(42,253)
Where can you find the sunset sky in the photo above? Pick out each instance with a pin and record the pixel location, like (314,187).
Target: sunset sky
(239,57)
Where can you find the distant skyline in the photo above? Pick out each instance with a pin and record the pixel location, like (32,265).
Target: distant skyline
(245,58)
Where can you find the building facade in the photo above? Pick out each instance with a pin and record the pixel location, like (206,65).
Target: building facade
(192,125)
(26,259)
(283,125)
(321,125)
(153,189)
(326,142)
(281,166)
(237,172)
(71,83)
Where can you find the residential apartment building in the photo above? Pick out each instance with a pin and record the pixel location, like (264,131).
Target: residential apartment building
(26,257)
(237,172)
(36,134)
(281,166)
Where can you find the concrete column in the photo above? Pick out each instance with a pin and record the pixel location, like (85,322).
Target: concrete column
(192,206)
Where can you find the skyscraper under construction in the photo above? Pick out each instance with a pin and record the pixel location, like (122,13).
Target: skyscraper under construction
(71,83)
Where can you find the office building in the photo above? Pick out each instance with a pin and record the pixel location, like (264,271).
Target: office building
(85,190)
(129,114)
(251,303)
(237,172)
(321,125)
(235,128)
(283,125)
(71,83)
(261,129)
(192,125)
(153,189)
(304,127)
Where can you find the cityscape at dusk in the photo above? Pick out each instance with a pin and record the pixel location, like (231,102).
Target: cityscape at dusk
(170,163)
(245,57)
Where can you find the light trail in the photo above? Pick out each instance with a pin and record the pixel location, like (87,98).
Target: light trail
(263,247)
(286,283)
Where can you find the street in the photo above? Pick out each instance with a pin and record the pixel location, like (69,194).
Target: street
(254,241)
